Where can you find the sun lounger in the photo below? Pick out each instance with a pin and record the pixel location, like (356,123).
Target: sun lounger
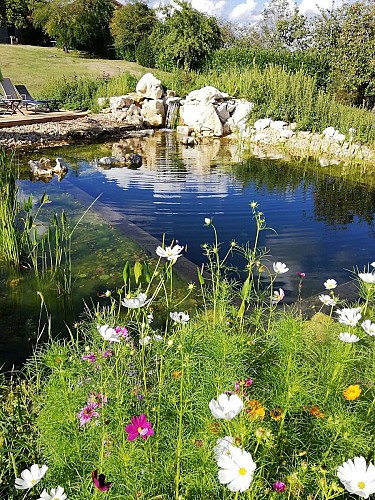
(49,104)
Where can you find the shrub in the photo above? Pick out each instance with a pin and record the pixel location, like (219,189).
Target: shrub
(144,54)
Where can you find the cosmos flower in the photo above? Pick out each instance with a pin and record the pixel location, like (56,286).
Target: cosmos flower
(352,392)
(236,470)
(99,481)
(224,446)
(89,357)
(367,277)
(330,284)
(135,302)
(280,268)
(179,317)
(349,316)
(54,494)
(255,409)
(226,407)
(357,477)
(327,300)
(170,253)
(30,477)
(278,486)
(207,221)
(145,340)
(87,413)
(368,327)
(277,296)
(348,338)
(108,333)
(139,427)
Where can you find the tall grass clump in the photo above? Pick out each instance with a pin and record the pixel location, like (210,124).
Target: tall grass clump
(241,398)
(82,92)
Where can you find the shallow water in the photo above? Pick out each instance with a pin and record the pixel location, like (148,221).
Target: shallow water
(321,225)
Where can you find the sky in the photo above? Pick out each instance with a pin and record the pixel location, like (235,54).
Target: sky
(247,11)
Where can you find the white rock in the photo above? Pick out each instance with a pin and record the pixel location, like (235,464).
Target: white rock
(238,120)
(120,102)
(222,111)
(183,130)
(202,117)
(338,137)
(206,94)
(149,86)
(262,124)
(329,132)
(278,124)
(153,112)
(286,133)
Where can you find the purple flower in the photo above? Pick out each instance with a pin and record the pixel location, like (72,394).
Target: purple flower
(279,486)
(139,427)
(99,399)
(99,482)
(89,357)
(107,354)
(301,275)
(87,413)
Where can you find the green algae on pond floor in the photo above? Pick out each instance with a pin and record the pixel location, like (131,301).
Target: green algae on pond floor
(99,253)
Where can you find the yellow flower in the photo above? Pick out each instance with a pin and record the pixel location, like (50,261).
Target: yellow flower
(255,409)
(352,392)
(316,412)
(276,414)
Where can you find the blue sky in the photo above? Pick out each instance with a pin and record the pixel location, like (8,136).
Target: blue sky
(247,11)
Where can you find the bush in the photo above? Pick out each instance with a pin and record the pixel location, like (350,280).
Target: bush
(144,54)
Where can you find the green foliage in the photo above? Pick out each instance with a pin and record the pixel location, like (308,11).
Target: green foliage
(81,24)
(314,63)
(144,54)
(130,25)
(184,38)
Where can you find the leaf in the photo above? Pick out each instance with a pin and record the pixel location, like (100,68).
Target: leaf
(126,272)
(200,277)
(137,271)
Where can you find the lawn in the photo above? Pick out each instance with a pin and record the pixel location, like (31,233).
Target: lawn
(33,66)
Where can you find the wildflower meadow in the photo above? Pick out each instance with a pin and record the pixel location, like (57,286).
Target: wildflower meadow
(241,396)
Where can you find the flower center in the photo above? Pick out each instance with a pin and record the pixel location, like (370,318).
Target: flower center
(142,431)
(33,482)
(242,471)
(361,485)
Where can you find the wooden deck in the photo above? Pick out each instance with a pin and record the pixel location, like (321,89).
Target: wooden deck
(29,117)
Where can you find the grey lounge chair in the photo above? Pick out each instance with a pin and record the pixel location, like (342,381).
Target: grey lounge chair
(48,104)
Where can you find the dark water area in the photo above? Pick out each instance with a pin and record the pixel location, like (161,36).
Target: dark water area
(321,225)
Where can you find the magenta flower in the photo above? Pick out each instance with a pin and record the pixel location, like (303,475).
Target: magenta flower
(89,357)
(243,384)
(279,486)
(99,482)
(99,399)
(107,354)
(301,275)
(139,427)
(87,413)
(122,331)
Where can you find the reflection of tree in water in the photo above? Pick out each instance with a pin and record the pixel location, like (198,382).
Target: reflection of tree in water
(335,201)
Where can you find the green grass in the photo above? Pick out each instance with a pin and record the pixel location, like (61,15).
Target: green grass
(35,66)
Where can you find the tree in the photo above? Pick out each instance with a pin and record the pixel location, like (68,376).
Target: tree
(130,25)
(77,24)
(185,37)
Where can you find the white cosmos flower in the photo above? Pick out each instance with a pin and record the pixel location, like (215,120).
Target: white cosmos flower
(158,338)
(136,302)
(145,340)
(330,284)
(280,268)
(224,446)
(368,327)
(327,300)
(55,494)
(348,338)
(357,477)
(236,469)
(367,277)
(179,317)
(277,296)
(207,221)
(226,407)
(30,477)
(170,253)
(108,333)
(349,316)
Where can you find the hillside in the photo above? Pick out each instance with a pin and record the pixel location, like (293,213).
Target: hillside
(33,66)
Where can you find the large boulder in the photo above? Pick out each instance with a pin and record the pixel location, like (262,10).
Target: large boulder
(206,94)
(202,118)
(238,119)
(153,112)
(150,87)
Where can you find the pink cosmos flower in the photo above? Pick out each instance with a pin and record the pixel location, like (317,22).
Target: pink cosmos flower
(107,353)
(122,331)
(279,486)
(99,482)
(139,427)
(87,413)
(301,275)
(243,384)
(99,399)
(89,357)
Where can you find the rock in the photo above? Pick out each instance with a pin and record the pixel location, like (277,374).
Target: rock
(153,112)
(329,132)
(188,141)
(206,94)
(338,137)
(149,87)
(238,120)
(286,133)
(202,117)
(223,112)
(278,124)
(262,124)
(183,130)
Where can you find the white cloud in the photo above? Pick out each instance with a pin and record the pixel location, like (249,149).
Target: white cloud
(209,6)
(312,6)
(244,12)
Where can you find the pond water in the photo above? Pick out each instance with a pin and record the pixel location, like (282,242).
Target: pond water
(321,225)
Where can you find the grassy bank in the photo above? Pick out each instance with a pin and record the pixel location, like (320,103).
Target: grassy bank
(35,66)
